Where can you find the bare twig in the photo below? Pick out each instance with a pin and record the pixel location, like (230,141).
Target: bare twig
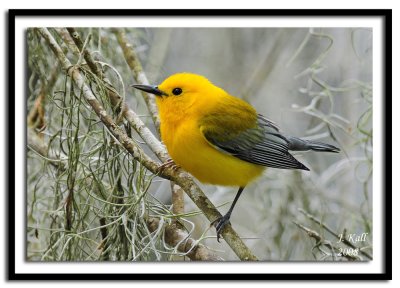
(183,179)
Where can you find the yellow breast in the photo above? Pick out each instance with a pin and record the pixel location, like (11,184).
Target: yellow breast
(190,150)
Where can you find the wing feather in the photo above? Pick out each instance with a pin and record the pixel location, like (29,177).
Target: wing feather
(259,142)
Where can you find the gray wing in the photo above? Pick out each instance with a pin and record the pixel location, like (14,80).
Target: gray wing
(263,145)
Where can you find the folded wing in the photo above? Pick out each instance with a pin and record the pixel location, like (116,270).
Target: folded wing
(256,141)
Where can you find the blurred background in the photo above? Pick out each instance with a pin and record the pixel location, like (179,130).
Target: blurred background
(314,83)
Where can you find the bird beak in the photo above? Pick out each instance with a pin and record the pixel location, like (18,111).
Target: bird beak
(152,89)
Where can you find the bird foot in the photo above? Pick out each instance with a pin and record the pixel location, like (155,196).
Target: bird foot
(220,223)
(168,164)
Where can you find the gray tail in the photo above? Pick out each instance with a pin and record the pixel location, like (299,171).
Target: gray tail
(297,144)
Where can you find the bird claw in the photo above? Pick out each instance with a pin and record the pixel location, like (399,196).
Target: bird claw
(168,164)
(220,224)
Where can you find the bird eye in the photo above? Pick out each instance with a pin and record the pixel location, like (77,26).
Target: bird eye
(177,91)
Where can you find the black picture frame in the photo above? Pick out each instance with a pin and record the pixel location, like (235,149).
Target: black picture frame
(385,14)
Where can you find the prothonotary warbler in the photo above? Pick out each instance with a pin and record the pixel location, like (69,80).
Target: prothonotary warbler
(221,139)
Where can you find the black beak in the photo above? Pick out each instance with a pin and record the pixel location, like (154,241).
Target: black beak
(153,89)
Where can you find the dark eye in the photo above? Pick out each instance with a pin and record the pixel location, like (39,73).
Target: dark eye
(177,91)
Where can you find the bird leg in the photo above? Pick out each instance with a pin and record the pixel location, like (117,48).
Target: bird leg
(221,222)
(169,164)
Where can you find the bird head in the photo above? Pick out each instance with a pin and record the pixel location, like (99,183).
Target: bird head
(182,91)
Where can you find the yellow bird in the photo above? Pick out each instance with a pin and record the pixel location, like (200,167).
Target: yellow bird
(221,139)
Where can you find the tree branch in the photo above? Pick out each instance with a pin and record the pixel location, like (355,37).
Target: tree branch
(182,178)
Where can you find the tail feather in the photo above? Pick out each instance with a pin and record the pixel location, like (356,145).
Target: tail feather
(297,144)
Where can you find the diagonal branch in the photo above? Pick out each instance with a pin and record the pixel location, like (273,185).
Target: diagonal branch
(177,192)
(180,177)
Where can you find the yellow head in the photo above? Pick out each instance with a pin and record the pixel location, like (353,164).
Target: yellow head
(187,82)
(187,93)
(184,94)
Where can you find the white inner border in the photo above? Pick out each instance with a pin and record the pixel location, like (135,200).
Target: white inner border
(22,23)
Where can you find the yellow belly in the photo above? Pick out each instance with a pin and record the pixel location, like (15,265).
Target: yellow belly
(190,150)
